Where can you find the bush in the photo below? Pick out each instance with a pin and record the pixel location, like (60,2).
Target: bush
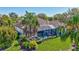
(25,44)
(16,43)
(7,36)
(23,37)
(24,41)
(33,44)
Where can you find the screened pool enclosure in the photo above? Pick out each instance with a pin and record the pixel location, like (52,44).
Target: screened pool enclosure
(46,31)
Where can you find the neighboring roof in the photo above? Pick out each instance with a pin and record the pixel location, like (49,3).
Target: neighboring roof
(56,23)
(46,27)
(42,21)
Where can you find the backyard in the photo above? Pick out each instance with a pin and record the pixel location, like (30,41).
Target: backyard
(48,45)
(40,32)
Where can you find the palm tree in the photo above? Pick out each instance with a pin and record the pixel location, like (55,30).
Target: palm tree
(35,25)
(72,30)
(30,20)
(73,11)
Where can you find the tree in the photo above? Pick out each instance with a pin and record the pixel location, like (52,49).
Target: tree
(43,16)
(73,31)
(7,36)
(59,17)
(50,18)
(1,22)
(13,16)
(5,20)
(31,23)
(73,11)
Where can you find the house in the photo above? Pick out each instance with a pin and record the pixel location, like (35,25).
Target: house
(46,29)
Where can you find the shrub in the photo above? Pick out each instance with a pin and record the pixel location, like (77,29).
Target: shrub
(7,36)
(33,44)
(23,37)
(25,44)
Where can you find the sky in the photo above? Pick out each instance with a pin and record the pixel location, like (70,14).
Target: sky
(49,11)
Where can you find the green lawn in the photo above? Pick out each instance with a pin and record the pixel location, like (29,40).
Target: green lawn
(54,45)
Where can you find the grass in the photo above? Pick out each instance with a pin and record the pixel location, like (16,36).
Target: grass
(54,45)
(15,46)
